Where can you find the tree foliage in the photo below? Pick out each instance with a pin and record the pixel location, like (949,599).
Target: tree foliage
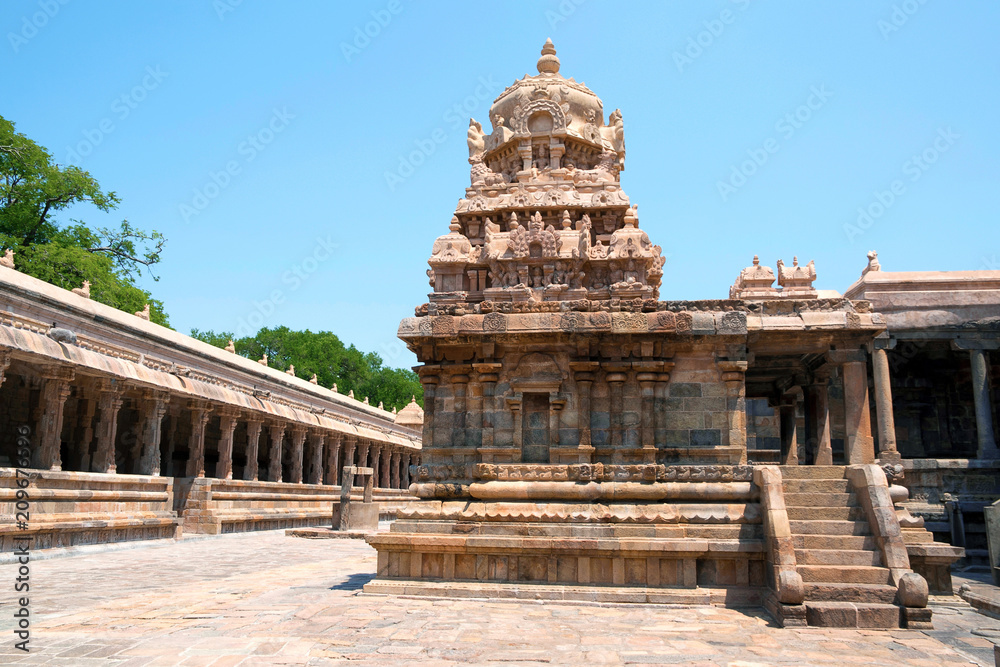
(33,191)
(325,355)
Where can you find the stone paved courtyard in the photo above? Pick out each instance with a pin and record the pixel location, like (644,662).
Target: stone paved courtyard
(268,599)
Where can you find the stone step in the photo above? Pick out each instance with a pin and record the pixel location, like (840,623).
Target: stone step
(837,557)
(812,499)
(852,542)
(816,485)
(829,527)
(852,615)
(917,536)
(844,574)
(834,592)
(812,472)
(825,513)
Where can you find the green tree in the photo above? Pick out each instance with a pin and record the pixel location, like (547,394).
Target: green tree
(325,355)
(33,191)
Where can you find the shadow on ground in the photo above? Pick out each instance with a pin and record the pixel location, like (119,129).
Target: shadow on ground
(354,582)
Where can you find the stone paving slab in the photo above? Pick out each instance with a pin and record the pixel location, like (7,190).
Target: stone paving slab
(269,599)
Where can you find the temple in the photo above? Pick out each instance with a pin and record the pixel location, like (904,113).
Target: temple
(585,439)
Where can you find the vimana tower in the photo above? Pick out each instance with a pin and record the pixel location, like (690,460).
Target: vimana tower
(583,439)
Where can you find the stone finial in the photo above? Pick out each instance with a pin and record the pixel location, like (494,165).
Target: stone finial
(754,282)
(83,290)
(314,379)
(263,360)
(144,313)
(334,388)
(350,394)
(873,264)
(549,62)
(566,222)
(476,138)
(291,369)
(394,409)
(380,406)
(366,401)
(230,346)
(8,258)
(797,280)
(632,216)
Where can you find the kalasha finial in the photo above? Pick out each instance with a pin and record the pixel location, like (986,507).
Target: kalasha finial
(548,63)
(756,260)
(455,225)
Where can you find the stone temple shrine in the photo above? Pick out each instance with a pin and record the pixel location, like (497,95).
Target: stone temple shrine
(584,438)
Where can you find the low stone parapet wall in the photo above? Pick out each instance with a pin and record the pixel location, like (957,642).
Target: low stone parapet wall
(66,509)
(215,506)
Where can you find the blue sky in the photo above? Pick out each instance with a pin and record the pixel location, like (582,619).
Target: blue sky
(257,136)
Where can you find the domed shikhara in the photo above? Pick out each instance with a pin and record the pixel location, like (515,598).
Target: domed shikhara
(545,218)
(411,415)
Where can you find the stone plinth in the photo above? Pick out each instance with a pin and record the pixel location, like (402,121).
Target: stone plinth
(71,509)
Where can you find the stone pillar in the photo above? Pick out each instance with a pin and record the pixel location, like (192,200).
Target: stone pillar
(459,387)
(316,458)
(734,377)
(789,434)
(429,379)
(364,447)
(984,407)
(616,378)
(394,470)
(860,447)
(333,444)
(253,443)
(660,404)
(227,424)
(86,430)
(818,395)
(647,390)
(583,372)
(888,453)
(295,462)
(200,414)
(556,405)
(4,365)
(109,403)
(386,467)
(488,376)
(53,401)
(154,408)
(277,432)
(514,403)
(350,446)
(407,460)
(474,406)
(376,452)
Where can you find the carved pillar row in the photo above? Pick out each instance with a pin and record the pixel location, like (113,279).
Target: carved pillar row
(277,432)
(818,401)
(200,414)
(109,403)
(295,460)
(253,446)
(334,442)
(53,402)
(860,446)
(227,425)
(734,377)
(888,452)
(318,441)
(154,408)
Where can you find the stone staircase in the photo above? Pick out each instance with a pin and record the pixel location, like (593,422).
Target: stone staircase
(836,554)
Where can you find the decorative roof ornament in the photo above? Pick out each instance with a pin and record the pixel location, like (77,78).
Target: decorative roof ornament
(83,290)
(314,379)
(8,258)
(144,313)
(411,414)
(230,347)
(873,264)
(263,360)
(754,282)
(291,369)
(797,280)
(549,62)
